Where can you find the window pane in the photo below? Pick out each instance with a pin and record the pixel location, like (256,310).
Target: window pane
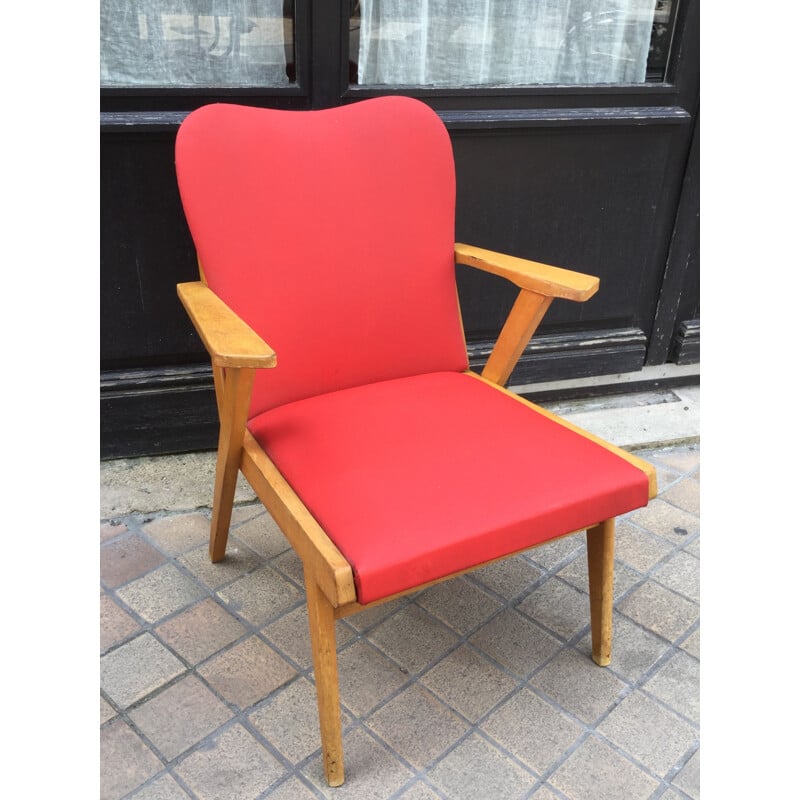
(508,42)
(184,43)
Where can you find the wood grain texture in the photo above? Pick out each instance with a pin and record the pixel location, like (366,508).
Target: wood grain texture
(230,341)
(540,278)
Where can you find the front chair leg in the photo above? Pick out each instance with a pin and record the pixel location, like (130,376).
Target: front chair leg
(600,551)
(326,674)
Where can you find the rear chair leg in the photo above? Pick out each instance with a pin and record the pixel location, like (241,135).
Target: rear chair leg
(600,551)
(326,674)
(233,404)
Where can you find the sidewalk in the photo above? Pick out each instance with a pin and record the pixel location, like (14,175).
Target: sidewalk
(481,687)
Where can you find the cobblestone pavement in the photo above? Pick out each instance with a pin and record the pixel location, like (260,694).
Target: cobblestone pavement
(481,687)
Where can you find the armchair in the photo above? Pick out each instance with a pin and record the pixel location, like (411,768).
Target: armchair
(329,234)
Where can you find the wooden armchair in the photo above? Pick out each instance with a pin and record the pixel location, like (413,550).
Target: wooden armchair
(329,234)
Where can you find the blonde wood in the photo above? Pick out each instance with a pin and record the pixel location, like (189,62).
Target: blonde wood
(332,571)
(600,554)
(219,386)
(230,341)
(326,676)
(531,275)
(233,418)
(639,463)
(522,321)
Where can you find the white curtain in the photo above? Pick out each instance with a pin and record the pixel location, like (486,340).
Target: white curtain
(504,42)
(194,42)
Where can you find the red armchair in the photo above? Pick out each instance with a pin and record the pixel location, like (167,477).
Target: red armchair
(385,461)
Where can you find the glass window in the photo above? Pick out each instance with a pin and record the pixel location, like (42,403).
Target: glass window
(461,43)
(191,43)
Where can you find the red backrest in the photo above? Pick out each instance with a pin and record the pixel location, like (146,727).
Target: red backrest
(331,234)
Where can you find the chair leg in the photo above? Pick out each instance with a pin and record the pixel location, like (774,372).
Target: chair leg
(600,551)
(326,674)
(235,400)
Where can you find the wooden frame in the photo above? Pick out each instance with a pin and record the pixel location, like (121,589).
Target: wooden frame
(237,351)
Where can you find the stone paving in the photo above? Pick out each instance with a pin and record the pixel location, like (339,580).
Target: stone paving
(480,688)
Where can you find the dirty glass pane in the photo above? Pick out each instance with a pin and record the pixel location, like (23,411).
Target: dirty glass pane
(508,42)
(195,43)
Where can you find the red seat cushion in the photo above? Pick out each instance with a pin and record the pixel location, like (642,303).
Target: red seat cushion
(419,477)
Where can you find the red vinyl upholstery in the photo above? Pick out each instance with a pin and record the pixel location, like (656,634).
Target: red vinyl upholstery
(346,291)
(420,477)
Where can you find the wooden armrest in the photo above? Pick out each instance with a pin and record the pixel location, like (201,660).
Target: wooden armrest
(230,341)
(530,275)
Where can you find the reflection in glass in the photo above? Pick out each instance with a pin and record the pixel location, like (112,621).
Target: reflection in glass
(508,42)
(184,43)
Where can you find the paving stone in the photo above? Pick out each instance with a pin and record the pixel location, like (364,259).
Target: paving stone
(545,793)
(476,770)
(508,577)
(597,772)
(137,668)
(112,529)
(262,535)
(178,533)
(366,678)
(650,733)
(290,565)
(260,596)
(576,573)
(125,761)
(660,610)
(554,553)
(160,593)
(677,684)
(531,729)
(681,573)
(459,604)
(693,548)
(126,558)
(468,682)
(634,650)
(684,494)
(371,772)
(413,638)
(417,726)
(688,779)
(691,644)
(364,620)
(106,711)
(247,673)
(200,631)
(163,788)
(116,624)
(639,549)
(578,685)
(239,560)
(420,791)
(665,520)
(242,513)
(558,606)
(232,766)
(515,642)
(293,789)
(291,635)
(180,716)
(289,720)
